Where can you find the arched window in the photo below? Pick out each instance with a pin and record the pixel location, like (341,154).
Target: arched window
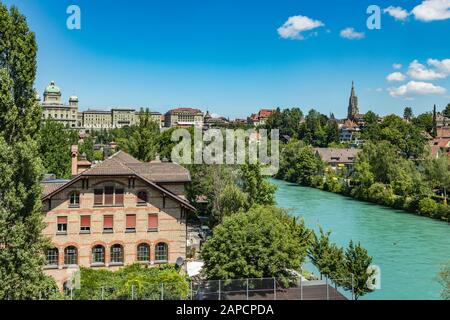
(74,199)
(98,254)
(70,256)
(161,252)
(52,257)
(143,252)
(117,254)
(142,198)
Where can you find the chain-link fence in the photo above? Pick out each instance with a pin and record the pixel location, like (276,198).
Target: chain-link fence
(243,289)
(268,289)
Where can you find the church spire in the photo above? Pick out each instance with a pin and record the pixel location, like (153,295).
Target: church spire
(353,104)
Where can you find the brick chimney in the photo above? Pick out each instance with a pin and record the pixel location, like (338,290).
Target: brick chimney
(74,155)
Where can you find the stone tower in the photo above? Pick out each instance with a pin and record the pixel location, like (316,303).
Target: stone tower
(353,104)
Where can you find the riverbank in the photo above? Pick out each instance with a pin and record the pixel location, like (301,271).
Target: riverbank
(409,249)
(382,195)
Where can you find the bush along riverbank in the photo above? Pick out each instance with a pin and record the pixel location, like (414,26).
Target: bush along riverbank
(380,175)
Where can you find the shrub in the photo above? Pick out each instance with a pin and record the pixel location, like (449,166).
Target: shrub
(145,282)
(428,207)
(381,194)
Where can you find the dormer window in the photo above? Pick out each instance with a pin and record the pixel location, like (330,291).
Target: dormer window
(74,199)
(142,198)
(109,195)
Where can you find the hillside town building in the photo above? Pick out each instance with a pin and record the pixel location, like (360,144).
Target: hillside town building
(184,117)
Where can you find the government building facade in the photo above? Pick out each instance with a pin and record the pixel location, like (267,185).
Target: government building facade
(70,116)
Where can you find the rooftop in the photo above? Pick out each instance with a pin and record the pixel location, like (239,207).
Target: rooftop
(123,164)
(337,155)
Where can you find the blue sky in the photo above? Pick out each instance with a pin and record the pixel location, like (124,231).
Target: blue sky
(232,58)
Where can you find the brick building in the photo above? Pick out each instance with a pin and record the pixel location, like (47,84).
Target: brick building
(118,212)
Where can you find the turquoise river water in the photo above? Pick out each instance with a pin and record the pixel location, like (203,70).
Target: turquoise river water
(409,249)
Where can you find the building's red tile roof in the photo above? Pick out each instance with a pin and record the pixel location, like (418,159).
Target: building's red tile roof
(185,110)
(122,163)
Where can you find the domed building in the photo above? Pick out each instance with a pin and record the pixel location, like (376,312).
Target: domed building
(55,109)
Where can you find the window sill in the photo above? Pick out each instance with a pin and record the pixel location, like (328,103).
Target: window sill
(74,206)
(162,262)
(141,205)
(97,265)
(153,230)
(61,233)
(108,231)
(108,206)
(85,232)
(51,267)
(130,231)
(116,264)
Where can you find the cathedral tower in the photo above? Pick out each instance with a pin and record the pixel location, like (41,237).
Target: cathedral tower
(353,104)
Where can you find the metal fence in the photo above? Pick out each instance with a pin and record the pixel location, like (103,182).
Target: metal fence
(268,289)
(243,289)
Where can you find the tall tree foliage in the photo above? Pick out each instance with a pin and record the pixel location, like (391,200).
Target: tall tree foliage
(263,242)
(54,148)
(143,143)
(21,241)
(259,189)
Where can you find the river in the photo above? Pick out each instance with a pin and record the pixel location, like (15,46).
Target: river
(409,249)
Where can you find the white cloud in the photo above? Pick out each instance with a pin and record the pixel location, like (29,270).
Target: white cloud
(397,12)
(414,88)
(294,26)
(397,66)
(442,66)
(396,76)
(431,10)
(379,89)
(350,33)
(418,71)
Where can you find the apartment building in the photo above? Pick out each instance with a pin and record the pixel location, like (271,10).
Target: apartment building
(115,213)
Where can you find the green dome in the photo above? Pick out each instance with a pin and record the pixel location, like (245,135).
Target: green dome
(52,88)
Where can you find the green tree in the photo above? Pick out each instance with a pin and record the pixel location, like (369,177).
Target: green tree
(210,181)
(446,111)
(287,121)
(231,200)
(20,114)
(371,118)
(143,143)
(437,173)
(262,242)
(21,241)
(298,163)
(309,165)
(357,274)
(332,131)
(408,114)
(87,147)
(54,148)
(428,207)
(259,189)
(424,122)
(326,256)
(165,143)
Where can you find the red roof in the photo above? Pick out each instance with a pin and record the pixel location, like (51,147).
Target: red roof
(187,110)
(265,113)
